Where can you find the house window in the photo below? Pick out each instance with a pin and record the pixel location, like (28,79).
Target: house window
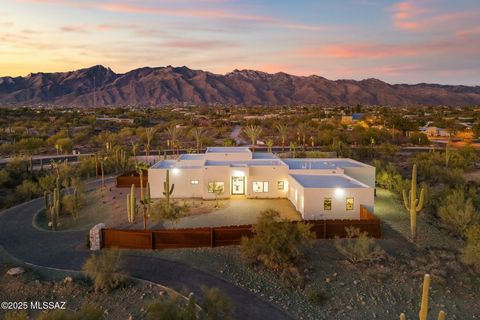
(194,182)
(260,186)
(349,204)
(281,185)
(216,187)
(327,204)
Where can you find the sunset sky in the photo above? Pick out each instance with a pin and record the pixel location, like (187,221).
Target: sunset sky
(396,41)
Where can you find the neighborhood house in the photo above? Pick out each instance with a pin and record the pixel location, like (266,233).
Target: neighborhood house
(318,188)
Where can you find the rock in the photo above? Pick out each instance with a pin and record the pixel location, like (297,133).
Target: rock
(15,271)
(68,280)
(327,280)
(355,282)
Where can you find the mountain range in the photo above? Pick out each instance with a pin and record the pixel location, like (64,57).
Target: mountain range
(100,86)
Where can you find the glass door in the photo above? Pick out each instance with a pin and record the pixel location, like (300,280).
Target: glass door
(238,185)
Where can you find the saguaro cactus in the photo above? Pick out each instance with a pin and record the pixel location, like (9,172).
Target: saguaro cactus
(54,208)
(168,189)
(412,204)
(423,314)
(131,205)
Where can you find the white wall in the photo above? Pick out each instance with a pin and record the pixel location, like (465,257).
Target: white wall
(181,178)
(314,203)
(271,175)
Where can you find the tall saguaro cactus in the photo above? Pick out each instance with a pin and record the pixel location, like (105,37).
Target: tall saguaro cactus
(54,208)
(423,314)
(168,189)
(413,204)
(131,205)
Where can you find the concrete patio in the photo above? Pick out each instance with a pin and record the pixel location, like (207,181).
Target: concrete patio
(238,212)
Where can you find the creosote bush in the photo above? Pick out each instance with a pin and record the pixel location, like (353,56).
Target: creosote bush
(457,212)
(215,306)
(278,244)
(471,252)
(358,246)
(104,270)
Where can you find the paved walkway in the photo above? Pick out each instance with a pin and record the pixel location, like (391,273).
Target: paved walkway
(66,250)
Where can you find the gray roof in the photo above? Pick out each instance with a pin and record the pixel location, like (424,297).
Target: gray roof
(295,164)
(192,156)
(327,181)
(244,163)
(227,150)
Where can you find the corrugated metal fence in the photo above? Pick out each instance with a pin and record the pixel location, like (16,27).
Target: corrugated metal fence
(225,236)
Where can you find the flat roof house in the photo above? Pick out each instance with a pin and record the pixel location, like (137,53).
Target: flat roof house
(318,188)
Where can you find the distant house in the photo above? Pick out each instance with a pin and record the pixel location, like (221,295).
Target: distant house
(318,188)
(352,118)
(435,132)
(116,120)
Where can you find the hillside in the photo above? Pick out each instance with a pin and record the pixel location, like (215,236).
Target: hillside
(98,86)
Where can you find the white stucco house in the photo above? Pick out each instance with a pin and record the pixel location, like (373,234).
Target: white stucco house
(318,188)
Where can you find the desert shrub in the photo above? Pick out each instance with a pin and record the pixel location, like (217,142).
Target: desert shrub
(16,315)
(457,212)
(4,177)
(27,190)
(88,312)
(104,270)
(55,315)
(215,305)
(47,182)
(314,294)
(357,246)
(278,244)
(471,252)
(170,308)
(172,213)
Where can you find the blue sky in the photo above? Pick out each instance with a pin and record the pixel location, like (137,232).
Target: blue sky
(402,41)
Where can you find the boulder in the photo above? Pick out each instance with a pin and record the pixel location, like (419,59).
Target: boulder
(15,271)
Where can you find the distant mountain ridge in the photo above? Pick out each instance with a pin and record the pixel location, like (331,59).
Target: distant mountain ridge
(100,86)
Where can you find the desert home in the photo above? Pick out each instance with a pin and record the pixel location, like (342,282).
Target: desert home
(318,188)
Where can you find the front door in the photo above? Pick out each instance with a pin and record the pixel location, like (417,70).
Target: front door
(238,185)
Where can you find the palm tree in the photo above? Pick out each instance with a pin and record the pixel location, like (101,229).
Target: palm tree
(282,131)
(302,133)
(141,167)
(173,133)
(293,148)
(253,132)
(269,145)
(149,135)
(197,134)
(134,152)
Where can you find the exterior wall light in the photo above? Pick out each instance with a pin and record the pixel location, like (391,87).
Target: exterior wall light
(339,192)
(175,171)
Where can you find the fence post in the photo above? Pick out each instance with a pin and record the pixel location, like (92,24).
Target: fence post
(95,237)
(212,230)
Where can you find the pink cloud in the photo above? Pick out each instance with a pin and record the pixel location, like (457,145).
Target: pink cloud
(384,51)
(199,13)
(468,32)
(412,16)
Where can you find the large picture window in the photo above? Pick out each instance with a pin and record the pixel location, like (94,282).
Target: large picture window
(216,187)
(349,203)
(327,204)
(260,186)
